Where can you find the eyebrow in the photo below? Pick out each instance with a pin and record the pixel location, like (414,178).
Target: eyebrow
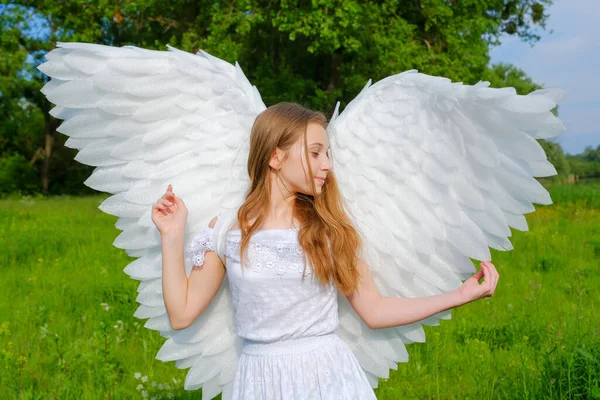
(317,144)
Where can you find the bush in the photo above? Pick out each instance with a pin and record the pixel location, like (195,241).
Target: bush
(17,175)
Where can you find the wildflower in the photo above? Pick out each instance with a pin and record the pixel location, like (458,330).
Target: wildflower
(139,387)
(144,379)
(144,394)
(137,375)
(44,330)
(105,306)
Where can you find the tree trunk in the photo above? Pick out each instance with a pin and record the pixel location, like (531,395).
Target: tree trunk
(49,133)
(335,74)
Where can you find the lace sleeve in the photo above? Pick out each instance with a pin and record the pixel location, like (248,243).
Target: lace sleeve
(201,243)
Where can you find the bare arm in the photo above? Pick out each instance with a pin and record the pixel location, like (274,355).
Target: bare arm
(384,312)
(186,298)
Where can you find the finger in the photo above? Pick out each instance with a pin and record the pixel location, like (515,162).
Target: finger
(486,278)
(166,203)
(162,205)
(485,270)
(478,275)
(494,274)
(496,281)
(170,196)
(167,206)
(491,281)
(497,277)
(491,278)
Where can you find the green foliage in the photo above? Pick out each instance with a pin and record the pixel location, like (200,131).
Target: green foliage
(22,121)
(17,175)
(586,164)
(312,52)
(556,156)
(507,75)
(589,154)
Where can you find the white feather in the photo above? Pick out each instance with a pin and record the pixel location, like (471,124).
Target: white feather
(146,119)
(459,163)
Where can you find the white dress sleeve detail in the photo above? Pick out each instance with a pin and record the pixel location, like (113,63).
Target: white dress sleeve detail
(201,243)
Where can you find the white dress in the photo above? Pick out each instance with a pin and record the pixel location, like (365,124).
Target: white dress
(288,323)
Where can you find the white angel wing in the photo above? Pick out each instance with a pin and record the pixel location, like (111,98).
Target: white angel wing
(433,173)
(146,119)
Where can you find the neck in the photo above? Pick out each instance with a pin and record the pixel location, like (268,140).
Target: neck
(282,201)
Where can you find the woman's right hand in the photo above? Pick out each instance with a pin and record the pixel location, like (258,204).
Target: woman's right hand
(169,213)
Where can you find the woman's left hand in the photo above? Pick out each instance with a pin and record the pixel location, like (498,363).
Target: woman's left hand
(472,290)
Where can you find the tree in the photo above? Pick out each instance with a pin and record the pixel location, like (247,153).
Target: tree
(557,157)
(586,164)
(21,129)
(589,154)
(313,52)
(26,127)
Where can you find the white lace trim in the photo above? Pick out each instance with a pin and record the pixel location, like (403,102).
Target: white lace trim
(278,256)
(201,243)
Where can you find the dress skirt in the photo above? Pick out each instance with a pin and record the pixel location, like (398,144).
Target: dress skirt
(310,368)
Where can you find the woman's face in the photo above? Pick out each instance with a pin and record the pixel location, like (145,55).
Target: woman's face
(294,171)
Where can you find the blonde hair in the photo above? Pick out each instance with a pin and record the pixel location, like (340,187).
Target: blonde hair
(327,236)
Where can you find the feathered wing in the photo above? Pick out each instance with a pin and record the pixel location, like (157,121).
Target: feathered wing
(145,119)
(433,174)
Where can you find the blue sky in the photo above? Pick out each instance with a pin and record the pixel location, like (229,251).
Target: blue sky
(567,56)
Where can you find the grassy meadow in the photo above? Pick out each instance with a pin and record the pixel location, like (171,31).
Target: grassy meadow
(67,329)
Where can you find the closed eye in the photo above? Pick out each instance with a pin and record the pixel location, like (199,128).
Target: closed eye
(317,154)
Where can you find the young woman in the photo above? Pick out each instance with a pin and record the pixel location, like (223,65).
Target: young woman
(290,251)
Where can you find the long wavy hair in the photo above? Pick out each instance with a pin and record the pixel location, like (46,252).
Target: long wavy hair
(327,236)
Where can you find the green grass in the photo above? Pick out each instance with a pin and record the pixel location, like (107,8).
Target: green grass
(67,330)
(539,336)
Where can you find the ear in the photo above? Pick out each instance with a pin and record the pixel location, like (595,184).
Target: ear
(276,158)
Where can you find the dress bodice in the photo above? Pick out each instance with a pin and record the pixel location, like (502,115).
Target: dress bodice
(275,296)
